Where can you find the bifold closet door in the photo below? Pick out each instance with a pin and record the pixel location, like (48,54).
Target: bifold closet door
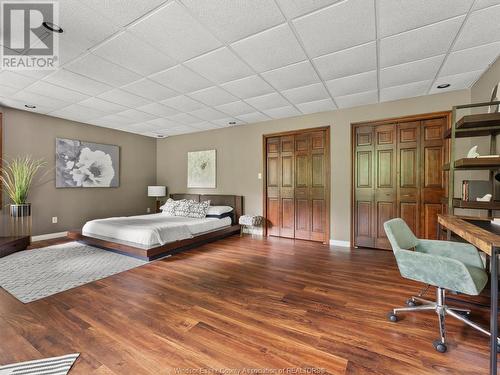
(286,191)
(273,168)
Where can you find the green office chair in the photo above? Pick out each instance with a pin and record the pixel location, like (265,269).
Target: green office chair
(446,265)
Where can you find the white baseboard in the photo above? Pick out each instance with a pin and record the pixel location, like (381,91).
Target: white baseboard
(48,236)
(340,243)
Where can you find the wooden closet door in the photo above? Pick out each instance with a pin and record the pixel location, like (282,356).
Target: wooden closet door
(287,201)
(363,186)
(273,169)
(319,186)
(385,181)
(302,186)
(432,176)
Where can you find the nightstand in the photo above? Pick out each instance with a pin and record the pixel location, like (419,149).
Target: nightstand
(9,245)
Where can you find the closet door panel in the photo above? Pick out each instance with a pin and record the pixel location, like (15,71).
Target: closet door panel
(318,187)
(287,204)
(273,181)
(302,186)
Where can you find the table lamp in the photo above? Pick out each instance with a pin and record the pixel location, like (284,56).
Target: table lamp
(157,192)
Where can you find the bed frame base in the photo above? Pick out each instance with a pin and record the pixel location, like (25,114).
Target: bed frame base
(155,252)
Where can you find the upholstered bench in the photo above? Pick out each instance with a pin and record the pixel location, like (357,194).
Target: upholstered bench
(248,221)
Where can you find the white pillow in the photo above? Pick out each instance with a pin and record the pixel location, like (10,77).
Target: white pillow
(219,210)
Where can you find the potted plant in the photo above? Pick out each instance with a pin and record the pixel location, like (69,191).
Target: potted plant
(17,177)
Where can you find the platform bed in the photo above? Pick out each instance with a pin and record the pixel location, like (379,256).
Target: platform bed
(171,248)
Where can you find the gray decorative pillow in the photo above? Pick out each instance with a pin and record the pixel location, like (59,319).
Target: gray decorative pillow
(190,208)
(170,206)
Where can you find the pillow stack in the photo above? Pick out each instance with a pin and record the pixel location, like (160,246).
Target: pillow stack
(186,208)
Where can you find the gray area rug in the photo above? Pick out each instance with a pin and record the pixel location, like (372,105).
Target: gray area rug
(47,366)
(35,274)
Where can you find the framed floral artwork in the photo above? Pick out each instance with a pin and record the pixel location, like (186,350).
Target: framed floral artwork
(202,172)
(85,164)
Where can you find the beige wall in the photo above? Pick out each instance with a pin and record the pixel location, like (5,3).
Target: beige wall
(239,152)
(29,133)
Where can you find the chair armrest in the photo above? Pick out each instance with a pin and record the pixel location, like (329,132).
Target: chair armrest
(437,270)
(463,252)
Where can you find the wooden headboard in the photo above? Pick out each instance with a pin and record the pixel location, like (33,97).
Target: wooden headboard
(235,201)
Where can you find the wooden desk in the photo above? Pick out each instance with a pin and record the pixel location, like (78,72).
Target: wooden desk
(486,237)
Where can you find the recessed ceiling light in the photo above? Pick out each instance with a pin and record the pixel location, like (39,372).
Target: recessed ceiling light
(232,123)
(443,85)
(160,136)
(52,27)
(30,106)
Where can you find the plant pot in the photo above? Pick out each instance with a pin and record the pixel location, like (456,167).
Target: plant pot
(20,210)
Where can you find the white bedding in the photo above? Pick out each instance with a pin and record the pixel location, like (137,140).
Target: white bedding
(150,230)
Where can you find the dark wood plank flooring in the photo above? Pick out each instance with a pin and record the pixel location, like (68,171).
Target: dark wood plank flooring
(242,303)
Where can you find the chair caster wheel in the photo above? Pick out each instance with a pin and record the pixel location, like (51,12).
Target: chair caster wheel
(439,346)
(392,317)
(411,302)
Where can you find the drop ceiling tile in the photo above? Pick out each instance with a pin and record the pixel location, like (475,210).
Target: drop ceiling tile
(396,16)
(317,106)
(267,101)
(236,108)
(411,72)
(213,96)
(57,92)
(102,105)
(77,112)
(124,98)
(248,87)
(140,128)
(181,79)
(15,80)
(76,82)
(205,126)
(183,129)
(282,112)
(6,91)
(175,32)
(116,120)
(162,123)
(101,70)
(228,122)
(470,59)
(295,8)
(354,24)
(456,81)
(12,103)
(158,109)
(184,118)
(35,74)
(347,62)
(39,100)
(233,20)
(404,91)
(270,49)
(123,12)
(219,66)
(150,90)
(208,114)
(306,93)
(291,76)
(353,100)
(482,27)
(135,115)
(420,43)
(480,4)
(353,84)
(253,117)
(132,53)
(183,103)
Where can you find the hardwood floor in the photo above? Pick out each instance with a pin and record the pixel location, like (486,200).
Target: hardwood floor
(242,303)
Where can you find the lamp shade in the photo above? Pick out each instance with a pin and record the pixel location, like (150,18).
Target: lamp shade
(157,191)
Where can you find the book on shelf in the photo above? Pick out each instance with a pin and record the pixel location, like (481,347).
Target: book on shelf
(473,189)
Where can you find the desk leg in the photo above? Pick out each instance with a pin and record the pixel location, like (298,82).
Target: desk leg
(493,311)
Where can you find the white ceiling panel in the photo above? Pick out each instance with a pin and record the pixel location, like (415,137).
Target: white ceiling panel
(184,118)
(77,112)
(236,108)
(353,100)
(123,12)
(76,82)
(253,117)
(317,106)
(219,66)
(248,87)
(207,113)
(12,103)
(410,72)
(270,49)
(353,84)
(15,80)
(213,96)
(420,43)
(282,112)
(205,126)
(471,59)
(158,109)
(342,25)
(347,62)
(295,75)
(456,81)
(102,70)
(57,92)
(183,103)
(483,26)
(162,123)
(39,100)
(136,116)
(181,79)
(397,16)
(132,53)
(480,4)
(404,91)
(268,101)
(227,122)
(115,120)
(306,93)
(175,32)
(295,8)
(6,91)
(232,20)
(102,105)
(124,98)
(150,90)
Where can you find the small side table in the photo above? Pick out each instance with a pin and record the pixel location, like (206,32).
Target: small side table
(9,245)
